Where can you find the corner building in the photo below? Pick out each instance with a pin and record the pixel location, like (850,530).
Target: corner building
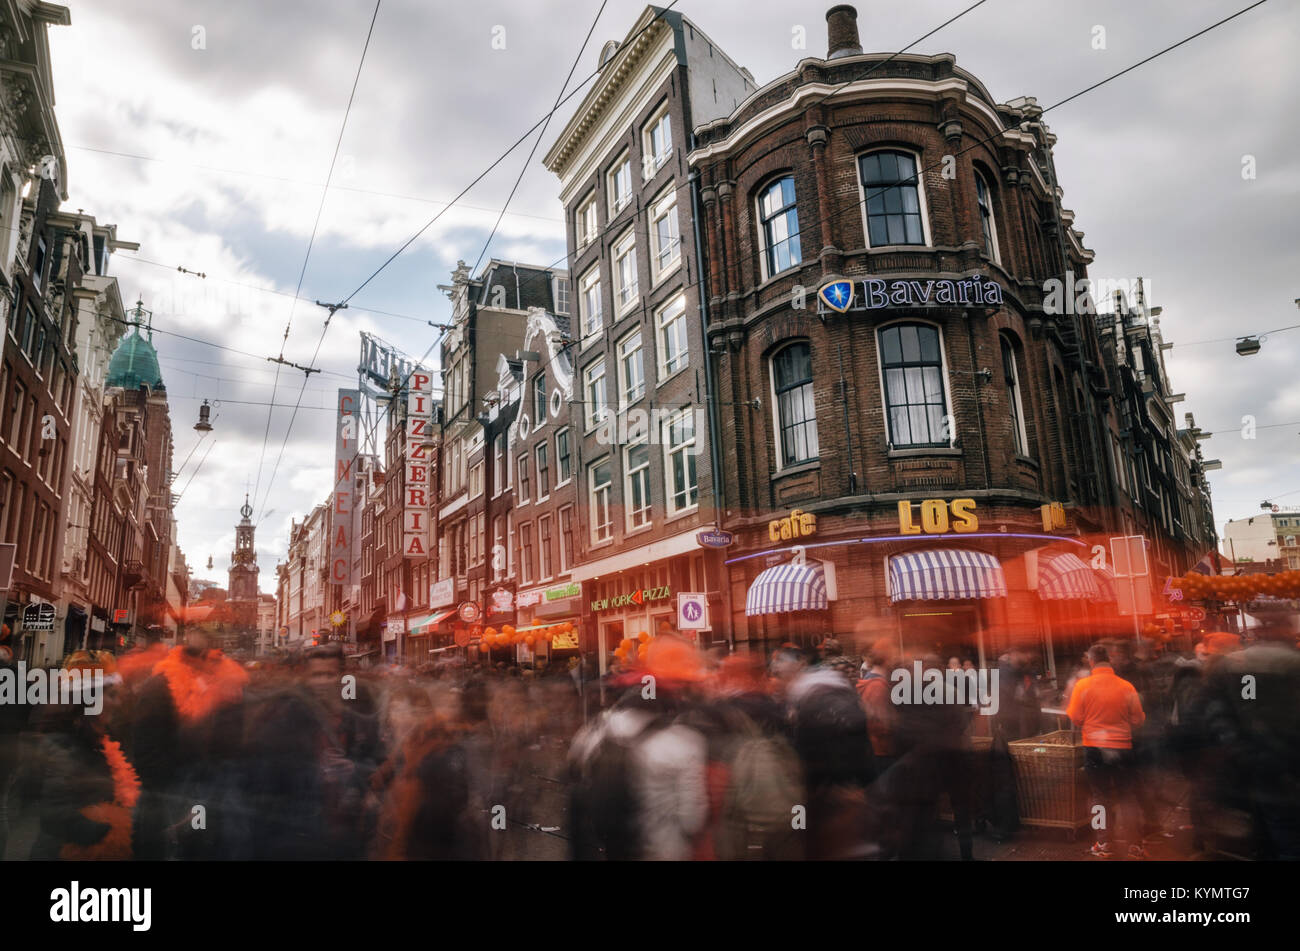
(898,392)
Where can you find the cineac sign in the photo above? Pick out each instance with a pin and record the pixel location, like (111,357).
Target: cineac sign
(841,297)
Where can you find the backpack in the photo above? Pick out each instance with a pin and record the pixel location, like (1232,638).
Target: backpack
(763,787)
(608,801)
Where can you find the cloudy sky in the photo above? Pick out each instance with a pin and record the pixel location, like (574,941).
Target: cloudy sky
(232,142)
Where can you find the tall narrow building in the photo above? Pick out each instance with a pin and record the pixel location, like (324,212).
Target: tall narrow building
(243,574)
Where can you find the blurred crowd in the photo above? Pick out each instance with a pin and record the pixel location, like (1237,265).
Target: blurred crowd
(685,755)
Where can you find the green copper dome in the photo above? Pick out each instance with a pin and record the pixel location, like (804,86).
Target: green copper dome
(135,362)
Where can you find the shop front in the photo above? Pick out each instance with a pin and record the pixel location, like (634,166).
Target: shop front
(426,633)
(627,604)
(555,607)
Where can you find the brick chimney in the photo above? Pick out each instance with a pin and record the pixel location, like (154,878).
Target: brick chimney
(842,31)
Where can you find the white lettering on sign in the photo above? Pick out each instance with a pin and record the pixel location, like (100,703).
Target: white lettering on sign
(419,423)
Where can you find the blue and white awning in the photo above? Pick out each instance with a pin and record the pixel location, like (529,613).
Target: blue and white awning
(945,574)
(1065,578)
(790,587)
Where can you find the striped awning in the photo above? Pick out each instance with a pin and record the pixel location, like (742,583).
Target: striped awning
(945,574)
(1105,578)
(788,587)
(433,620)
(1064,577)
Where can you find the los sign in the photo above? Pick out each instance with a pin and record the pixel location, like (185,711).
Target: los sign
(938,517)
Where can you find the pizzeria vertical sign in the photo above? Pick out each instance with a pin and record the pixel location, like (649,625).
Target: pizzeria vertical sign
(419,440)
(344,503)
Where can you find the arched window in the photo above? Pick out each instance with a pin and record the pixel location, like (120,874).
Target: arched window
(988,224)
(1011,376)
(779,226)
(911,362)
(892,191)
(792,383)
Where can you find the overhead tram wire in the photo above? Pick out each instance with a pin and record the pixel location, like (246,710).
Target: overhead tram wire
(302,273)
(219,346)
(541,134)
(542,124)
(659,12)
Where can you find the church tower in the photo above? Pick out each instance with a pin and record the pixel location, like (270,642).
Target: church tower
(243,572)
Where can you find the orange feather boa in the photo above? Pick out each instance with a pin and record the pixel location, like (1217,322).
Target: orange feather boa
(116,843)
(200,687)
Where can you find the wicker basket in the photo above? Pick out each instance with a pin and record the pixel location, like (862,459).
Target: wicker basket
(1051,789)
(977,766)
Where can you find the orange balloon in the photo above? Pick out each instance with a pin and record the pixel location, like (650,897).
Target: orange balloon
(643,637)
(490,632)
(530,640)
(625,644)
(483,648)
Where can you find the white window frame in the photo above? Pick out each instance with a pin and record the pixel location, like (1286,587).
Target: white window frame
(626,295)
(545,556)
(779,429)
(538,451)
(476,467)
(567,433)
(525,483)
(586,225)
(670,450)
(643,472)
(625,399)
(565,567)
(624,161)
(664,206)
(981,179)
(1022,433)
(947,384)
(764,266)
(525,569)
(590,407)
(593,506)
(590,280)
(920,191)
(656,159)
(661,337)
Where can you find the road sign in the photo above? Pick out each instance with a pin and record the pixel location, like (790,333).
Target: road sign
(692,611)
(38,618)
(1128,556)
(7,553)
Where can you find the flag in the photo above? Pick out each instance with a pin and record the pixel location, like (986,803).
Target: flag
(401,602)
(1210,564)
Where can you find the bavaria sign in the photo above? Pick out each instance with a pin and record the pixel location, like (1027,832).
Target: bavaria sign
(715,538)
(877,294)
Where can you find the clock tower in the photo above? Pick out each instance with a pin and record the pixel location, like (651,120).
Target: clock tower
(243,572)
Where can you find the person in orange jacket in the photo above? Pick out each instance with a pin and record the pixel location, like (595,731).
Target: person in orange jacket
(1108,709)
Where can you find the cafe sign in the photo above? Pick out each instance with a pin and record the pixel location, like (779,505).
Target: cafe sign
(638,597)
(795,525)
(876,294)
(937,517)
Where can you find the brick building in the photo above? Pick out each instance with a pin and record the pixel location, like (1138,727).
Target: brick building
(646,473)
(904,376)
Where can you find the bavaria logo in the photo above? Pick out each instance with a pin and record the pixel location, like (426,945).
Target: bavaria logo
(837,295)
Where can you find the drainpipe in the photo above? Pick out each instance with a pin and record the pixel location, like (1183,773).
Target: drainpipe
(710,389)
